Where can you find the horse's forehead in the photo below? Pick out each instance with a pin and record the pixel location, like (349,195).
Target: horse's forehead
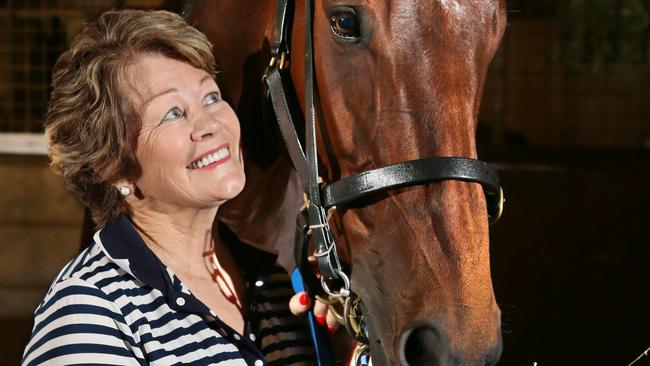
(458,9)
(462,7)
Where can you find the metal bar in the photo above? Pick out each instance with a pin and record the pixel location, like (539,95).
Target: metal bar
(23,143)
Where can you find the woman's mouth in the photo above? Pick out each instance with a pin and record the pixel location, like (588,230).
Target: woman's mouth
(211,159)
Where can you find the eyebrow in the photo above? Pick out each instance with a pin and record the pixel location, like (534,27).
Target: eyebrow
(168,91)
(172,90)
(205,78)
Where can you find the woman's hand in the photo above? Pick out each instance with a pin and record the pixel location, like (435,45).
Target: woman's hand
(301,302)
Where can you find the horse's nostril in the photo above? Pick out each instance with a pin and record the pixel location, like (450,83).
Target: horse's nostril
(425,345)
(420,347)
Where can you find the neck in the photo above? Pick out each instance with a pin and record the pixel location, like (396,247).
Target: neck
(265,219)
(179,238)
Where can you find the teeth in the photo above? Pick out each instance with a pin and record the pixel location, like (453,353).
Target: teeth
(209,159)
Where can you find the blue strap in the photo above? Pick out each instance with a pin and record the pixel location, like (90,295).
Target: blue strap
(324,353)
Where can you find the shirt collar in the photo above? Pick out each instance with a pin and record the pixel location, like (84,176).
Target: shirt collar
(124,246)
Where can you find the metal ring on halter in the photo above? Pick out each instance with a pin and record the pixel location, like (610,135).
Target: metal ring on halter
(359,353)
(343,291)
(354,322)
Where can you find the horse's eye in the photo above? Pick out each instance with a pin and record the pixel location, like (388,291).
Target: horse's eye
(345,24)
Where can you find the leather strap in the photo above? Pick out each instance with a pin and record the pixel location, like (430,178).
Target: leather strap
(328,260)
(282,31)
(276,88)
(409,173)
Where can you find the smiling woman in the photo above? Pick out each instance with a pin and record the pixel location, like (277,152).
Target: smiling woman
(138,130)
(188,145)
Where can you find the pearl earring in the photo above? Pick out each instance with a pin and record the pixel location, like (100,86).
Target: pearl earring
(125,191)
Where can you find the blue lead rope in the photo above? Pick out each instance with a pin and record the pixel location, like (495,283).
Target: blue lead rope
(324,353)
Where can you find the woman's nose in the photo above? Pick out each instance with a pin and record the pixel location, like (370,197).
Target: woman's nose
(205,125)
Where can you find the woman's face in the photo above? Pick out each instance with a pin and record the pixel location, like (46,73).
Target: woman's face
(188,145)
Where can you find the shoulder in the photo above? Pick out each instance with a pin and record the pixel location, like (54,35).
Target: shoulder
(75,322)
(90,283)
(94,268)
(78,319)
(90,261)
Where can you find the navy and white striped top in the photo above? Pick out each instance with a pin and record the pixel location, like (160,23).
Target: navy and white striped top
(117,304)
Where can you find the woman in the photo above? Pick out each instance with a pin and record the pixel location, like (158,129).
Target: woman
(139,132)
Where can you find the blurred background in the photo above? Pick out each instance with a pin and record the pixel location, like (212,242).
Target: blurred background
(565,118)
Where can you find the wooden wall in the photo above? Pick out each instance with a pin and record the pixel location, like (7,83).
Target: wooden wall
(534,98)
(40,227)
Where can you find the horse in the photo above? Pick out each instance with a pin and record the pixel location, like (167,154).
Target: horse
(396,80)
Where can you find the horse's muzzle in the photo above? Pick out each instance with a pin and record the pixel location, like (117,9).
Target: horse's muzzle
(424,346)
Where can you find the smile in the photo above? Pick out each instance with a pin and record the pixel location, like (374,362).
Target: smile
(211,159)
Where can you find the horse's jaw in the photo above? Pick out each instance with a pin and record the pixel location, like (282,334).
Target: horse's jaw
(436,270)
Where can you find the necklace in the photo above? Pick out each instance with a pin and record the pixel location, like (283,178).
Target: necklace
(221,277)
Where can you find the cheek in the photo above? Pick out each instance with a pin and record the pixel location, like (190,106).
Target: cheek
(233,126)
(230,120)
(235,131)
(161,149)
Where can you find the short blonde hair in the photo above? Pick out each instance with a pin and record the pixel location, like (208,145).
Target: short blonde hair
(92,122)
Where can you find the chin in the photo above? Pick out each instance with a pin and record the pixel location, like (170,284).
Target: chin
(232,185)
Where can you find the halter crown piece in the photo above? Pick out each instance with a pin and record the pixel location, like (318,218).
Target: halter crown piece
(312,221)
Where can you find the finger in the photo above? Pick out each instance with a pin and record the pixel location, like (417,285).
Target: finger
(332,322)
(299,303)
(320,312)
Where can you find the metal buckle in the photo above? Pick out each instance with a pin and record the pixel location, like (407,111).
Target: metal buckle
(499,208)
(354,320)
(282,62)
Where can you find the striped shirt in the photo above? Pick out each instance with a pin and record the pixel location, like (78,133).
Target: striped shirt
(117,304)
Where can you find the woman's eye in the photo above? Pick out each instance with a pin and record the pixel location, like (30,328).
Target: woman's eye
(345,24)
(173,113)
(212,98)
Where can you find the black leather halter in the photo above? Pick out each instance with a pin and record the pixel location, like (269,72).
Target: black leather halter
(349,189)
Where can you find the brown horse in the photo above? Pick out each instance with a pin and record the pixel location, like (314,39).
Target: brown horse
(397,80)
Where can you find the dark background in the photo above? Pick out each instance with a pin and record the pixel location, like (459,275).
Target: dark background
(570,257)
(565,118)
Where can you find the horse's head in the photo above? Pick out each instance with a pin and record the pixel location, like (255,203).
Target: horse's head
(397,80)
(402,80)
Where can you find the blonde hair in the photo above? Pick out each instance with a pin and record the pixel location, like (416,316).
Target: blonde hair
(92,122)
